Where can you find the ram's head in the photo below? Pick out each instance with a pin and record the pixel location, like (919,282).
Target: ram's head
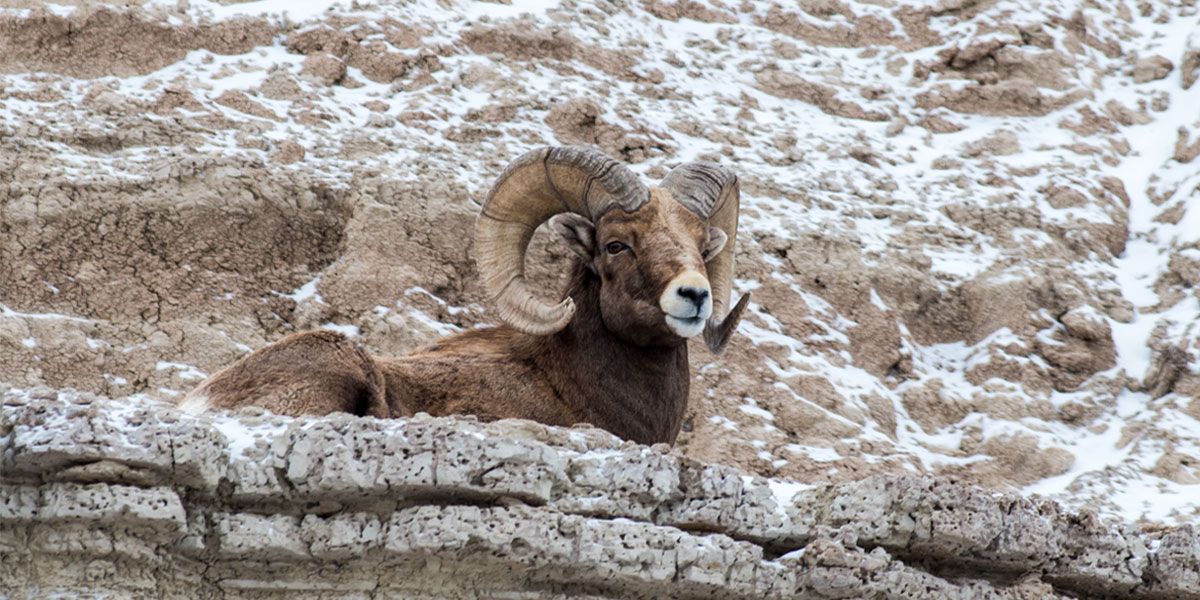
(664,255)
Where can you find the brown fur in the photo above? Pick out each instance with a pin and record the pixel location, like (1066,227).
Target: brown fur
(616,365)
(308,373)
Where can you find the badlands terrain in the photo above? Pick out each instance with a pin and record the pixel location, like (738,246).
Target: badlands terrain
(971,228)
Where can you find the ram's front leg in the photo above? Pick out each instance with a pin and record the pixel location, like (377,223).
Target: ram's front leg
(309,373)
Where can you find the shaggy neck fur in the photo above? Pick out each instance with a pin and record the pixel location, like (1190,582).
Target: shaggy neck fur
(638,392)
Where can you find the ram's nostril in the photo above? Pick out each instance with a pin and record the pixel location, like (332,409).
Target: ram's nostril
(696,295)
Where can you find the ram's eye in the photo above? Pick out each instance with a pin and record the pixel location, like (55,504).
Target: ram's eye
(616,247)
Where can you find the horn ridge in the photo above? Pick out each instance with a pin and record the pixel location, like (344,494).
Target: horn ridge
(534,187)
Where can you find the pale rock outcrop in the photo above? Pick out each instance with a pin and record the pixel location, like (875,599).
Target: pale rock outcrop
(135,499)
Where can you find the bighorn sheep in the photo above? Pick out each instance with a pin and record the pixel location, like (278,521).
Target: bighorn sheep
(654,268)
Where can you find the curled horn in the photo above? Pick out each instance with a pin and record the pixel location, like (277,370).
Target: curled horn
(536,186)
(712,192)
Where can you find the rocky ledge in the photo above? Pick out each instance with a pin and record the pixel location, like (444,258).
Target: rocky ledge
(139,500)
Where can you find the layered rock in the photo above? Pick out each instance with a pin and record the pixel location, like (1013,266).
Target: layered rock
(138,500)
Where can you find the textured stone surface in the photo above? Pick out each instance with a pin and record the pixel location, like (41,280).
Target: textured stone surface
(453,508)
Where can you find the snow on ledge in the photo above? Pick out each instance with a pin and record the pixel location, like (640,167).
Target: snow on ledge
(254,499)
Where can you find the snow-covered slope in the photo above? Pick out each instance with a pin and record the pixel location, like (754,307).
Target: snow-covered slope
(971,228)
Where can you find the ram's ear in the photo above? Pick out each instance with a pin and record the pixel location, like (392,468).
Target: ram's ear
(716,242)
(577,232)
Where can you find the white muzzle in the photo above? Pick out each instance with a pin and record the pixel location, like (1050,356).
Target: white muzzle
(687,303)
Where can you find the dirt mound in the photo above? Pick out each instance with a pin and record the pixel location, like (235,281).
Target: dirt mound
(83,44)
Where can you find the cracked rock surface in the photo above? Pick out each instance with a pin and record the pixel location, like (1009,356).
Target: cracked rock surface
(136,500)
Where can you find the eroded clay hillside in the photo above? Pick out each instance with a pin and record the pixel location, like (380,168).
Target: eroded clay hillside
(970,227)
